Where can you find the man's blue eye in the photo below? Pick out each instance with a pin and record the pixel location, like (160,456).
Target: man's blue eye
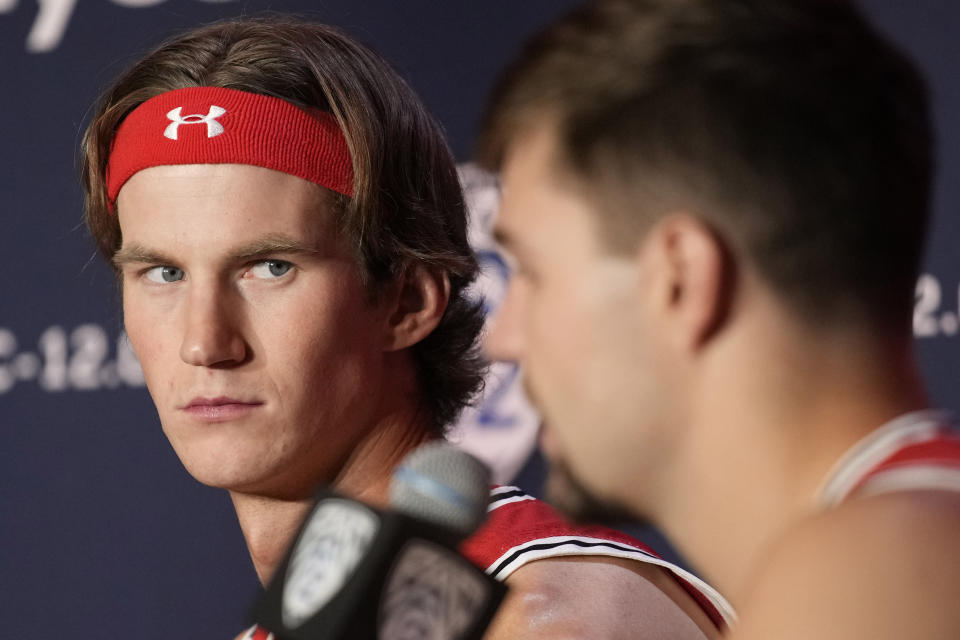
(165,274)
(271,268)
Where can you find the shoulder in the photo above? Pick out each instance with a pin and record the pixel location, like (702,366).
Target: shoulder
(577,581)
(887,566)
(597,598)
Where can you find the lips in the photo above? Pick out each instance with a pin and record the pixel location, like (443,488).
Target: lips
(220,408)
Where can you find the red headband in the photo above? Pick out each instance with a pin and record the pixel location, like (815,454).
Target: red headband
(213,125)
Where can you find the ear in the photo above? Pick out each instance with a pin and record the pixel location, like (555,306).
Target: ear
(688,269)
(416,306)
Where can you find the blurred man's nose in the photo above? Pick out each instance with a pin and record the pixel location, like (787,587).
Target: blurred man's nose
(504,338)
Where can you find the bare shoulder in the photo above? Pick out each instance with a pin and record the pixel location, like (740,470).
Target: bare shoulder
(881,567)
(597,598)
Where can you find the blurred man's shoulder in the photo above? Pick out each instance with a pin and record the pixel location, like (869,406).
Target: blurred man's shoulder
(884,566)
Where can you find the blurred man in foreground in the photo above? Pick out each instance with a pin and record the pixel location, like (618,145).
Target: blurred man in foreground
(716,210)
(290,237)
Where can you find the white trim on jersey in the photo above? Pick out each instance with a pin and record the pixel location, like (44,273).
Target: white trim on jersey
(510,495)
(558,546)
(505,501)
(850,469)
(913,477)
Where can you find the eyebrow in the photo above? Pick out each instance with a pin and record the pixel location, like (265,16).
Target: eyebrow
(262,247)
(138,253)
(274,244)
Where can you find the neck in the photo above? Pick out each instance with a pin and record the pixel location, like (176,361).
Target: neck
(768,431)
(269,524)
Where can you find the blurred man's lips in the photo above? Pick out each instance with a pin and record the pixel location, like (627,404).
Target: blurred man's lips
(219,408)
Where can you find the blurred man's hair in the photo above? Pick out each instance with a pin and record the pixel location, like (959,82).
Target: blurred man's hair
(797,132)
(407,208)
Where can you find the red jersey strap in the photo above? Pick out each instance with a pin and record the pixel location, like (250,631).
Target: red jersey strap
(917,451)
(518,524)
(928,465)
(520,529)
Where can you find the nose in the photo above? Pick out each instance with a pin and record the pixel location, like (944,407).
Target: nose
(504,338)
(212,337)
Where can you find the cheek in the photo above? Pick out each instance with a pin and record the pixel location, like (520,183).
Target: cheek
(334,345)
(565,324)
(156,346)
(312,326)
(558,346)
(587,355)
(144,328)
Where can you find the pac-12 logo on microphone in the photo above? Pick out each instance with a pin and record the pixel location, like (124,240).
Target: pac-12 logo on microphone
(431,594)
(331,545)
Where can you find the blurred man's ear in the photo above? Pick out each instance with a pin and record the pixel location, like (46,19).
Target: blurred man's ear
(416,304)
(686,268)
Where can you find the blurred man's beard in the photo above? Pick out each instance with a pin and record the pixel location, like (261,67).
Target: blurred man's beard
(565,491)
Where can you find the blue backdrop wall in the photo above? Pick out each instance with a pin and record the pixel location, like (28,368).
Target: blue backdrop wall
(102,533)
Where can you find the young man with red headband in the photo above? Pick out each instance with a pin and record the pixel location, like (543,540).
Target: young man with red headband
(290,237)
(717,212)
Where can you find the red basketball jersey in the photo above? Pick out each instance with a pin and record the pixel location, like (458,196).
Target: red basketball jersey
(916,451)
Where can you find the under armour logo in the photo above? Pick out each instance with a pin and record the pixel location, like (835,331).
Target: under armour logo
(214,128)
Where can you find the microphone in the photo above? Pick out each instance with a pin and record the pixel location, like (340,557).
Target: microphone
(358,572)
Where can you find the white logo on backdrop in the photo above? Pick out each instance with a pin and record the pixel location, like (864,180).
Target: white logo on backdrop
(214,128)
(502,428)
(53,17)
(84,359)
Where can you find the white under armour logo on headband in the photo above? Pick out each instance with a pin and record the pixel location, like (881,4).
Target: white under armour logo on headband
(214,128)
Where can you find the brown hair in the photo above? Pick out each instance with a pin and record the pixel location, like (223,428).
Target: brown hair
(795,130)
(407,206)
